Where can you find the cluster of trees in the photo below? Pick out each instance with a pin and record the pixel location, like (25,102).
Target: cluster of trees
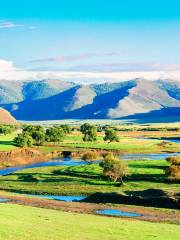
(90,133)
(173,171)
(6,129)
(38,135)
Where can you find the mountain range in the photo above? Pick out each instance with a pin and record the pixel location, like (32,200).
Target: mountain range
(55,99)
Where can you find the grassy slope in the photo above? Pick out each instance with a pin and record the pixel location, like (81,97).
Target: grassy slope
(51,224)
(87,179)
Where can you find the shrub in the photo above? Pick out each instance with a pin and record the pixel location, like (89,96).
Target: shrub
(27,178)
(90,156)
(174,160)
(173,173)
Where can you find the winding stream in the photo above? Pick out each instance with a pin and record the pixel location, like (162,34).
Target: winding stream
(71,162)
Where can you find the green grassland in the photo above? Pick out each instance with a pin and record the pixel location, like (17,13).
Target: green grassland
(88,179)
(24,222)
(6,142)
(125,145)
(130,142)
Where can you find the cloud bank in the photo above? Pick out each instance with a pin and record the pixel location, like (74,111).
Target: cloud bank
(9,72)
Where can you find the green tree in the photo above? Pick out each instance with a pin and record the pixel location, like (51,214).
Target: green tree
(111,135)
(6,129)
(55,134)
(113,168)
(36,132)
(66,128)
(23,140)
(89,132)
(38,137)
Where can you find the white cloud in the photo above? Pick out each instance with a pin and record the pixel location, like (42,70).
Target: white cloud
(9,72)
(9,24)
(6,66)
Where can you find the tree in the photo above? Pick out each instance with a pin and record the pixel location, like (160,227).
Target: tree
(6,129)
(55,134)
(30,129)
(36,132)
(23,140)
(113,168)
(66,128)
(111,135)
(89,131)
(39,137)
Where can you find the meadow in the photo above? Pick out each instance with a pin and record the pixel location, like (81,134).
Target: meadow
(24,222)
(144,177)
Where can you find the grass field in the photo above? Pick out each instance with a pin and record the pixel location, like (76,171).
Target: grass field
(86,180)
(6,142)
(23,222)
(130,142)
(126,144)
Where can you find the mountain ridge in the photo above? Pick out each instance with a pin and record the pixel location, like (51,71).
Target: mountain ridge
(55,99)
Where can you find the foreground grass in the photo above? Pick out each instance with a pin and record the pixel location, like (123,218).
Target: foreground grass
(87,179)
(24,222)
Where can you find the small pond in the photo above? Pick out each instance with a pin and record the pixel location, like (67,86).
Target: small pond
(60,198)
(115,212)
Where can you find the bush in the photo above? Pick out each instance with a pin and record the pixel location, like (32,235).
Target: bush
(174,160)
(27,178)
(90,156)
(173,172)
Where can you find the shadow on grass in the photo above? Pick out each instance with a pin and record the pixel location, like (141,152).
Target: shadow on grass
(7,143)
(150,198)
(147,166)
(156,178)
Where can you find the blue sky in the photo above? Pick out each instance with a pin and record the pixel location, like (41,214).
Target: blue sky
(91,35)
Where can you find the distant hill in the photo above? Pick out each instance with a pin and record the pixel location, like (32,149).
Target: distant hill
(6,117)
(54,99)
